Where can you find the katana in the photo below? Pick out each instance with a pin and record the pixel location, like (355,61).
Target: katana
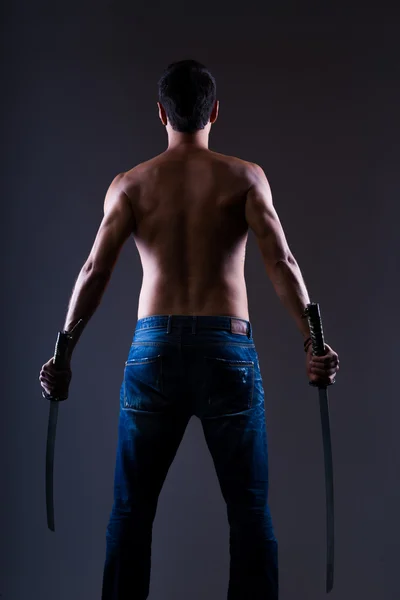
(318,349)
(61,358)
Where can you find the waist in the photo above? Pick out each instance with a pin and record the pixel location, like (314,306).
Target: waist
(194,323)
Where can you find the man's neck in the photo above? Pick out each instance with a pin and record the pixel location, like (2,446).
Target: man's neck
(188,140)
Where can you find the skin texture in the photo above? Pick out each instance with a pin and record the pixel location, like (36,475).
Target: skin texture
(189,210)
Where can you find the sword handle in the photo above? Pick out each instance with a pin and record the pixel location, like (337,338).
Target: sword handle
(313,315)
(60,358)
(61,349)
(315,323)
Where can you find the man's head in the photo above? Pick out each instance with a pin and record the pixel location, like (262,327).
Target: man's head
(187,96)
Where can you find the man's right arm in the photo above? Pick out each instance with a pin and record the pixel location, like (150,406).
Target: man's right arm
(280,264)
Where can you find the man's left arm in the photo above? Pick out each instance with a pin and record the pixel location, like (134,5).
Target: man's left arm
(116,226)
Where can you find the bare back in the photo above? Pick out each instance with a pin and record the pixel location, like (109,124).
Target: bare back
(191,232)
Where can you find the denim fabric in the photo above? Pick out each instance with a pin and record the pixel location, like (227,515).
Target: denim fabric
(179,366)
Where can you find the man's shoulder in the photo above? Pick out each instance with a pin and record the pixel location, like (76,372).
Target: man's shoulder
(134,176)
(247,171)
(234,161)
(137,170)
(130,179)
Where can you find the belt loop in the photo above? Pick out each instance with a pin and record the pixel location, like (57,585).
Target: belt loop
(249,332)
(194,323)
(169,324)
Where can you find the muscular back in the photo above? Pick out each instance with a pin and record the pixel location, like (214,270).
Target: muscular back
(191,232)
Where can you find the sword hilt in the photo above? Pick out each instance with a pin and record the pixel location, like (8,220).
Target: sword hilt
(60,358)
(61,355)
(313,315)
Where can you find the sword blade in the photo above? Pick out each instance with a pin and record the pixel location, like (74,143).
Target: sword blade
(50,445)
(326,439)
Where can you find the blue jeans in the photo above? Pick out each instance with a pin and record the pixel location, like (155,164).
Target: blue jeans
(179,366)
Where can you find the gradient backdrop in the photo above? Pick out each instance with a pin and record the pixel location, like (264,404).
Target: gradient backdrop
(315,101)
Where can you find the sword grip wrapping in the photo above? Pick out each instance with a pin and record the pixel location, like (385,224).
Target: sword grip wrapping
(316,333)
(60,358)
(61,350)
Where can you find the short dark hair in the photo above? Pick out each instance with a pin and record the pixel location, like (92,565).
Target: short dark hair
(188,92)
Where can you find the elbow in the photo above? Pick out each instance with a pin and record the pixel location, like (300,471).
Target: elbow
(291,259)
(93,271)
(288,259)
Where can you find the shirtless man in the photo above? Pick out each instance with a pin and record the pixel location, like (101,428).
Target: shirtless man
(189,210)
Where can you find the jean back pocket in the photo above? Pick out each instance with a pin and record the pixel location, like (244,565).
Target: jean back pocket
(230,384)
(143,385)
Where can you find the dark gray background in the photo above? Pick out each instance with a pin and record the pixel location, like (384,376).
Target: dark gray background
(315,101)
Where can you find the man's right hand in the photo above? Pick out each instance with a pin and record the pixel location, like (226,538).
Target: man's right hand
(322,369)
(54,381)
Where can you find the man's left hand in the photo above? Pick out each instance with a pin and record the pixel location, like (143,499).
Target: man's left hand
(55,381)
(322,369)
